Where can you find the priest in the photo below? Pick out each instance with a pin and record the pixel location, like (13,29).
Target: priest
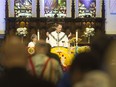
(57,37)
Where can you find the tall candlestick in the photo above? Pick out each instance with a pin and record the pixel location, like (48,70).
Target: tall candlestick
(38,34)
(76,36)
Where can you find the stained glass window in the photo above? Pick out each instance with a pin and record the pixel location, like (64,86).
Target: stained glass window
(55,8)
(87,8)
(23,8)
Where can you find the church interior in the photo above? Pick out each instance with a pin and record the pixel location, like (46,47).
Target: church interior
(62,43)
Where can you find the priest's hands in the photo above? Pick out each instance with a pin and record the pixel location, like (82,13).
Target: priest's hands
(47,34)
(70,35)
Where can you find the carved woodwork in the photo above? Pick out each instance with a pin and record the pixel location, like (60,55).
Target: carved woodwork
(44,24)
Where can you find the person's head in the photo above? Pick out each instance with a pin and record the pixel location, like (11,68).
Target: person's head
(110,61)
(41,47)
(14,53)
(58,27)
(83,63)
(100,44)
(96,79)
(34,37)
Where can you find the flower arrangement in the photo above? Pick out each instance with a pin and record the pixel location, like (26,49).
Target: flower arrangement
(73,40)
(21,32)
(89,32)
(83,49)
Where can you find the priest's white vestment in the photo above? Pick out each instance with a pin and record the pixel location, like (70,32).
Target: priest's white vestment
(57,39)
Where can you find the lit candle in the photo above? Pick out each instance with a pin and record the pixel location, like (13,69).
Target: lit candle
(76,35)
(38,34)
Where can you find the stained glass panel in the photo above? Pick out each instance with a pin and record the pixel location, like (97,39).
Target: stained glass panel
(87,8)
(55,8)
(23,8)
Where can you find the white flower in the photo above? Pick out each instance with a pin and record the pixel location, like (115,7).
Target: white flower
(24,33)
(21,31)
(89,32)
(24,29)
(85,32)
(91,29)
(87,29)
(18,29)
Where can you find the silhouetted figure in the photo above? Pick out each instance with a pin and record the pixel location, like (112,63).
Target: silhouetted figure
(14,61)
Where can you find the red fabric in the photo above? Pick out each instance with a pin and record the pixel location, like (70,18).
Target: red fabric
(45,65)
(32,66)
(65,68)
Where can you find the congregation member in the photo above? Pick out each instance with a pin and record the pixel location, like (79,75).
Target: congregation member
(110,61)
(33,40)
(42,66)
(57,37)
(105,48)
(52,55)
(82,63)
(14,61)
(95,78)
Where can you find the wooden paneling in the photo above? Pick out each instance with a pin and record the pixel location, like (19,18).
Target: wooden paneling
(44,24)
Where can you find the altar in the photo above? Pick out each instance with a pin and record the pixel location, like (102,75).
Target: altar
(66,55)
